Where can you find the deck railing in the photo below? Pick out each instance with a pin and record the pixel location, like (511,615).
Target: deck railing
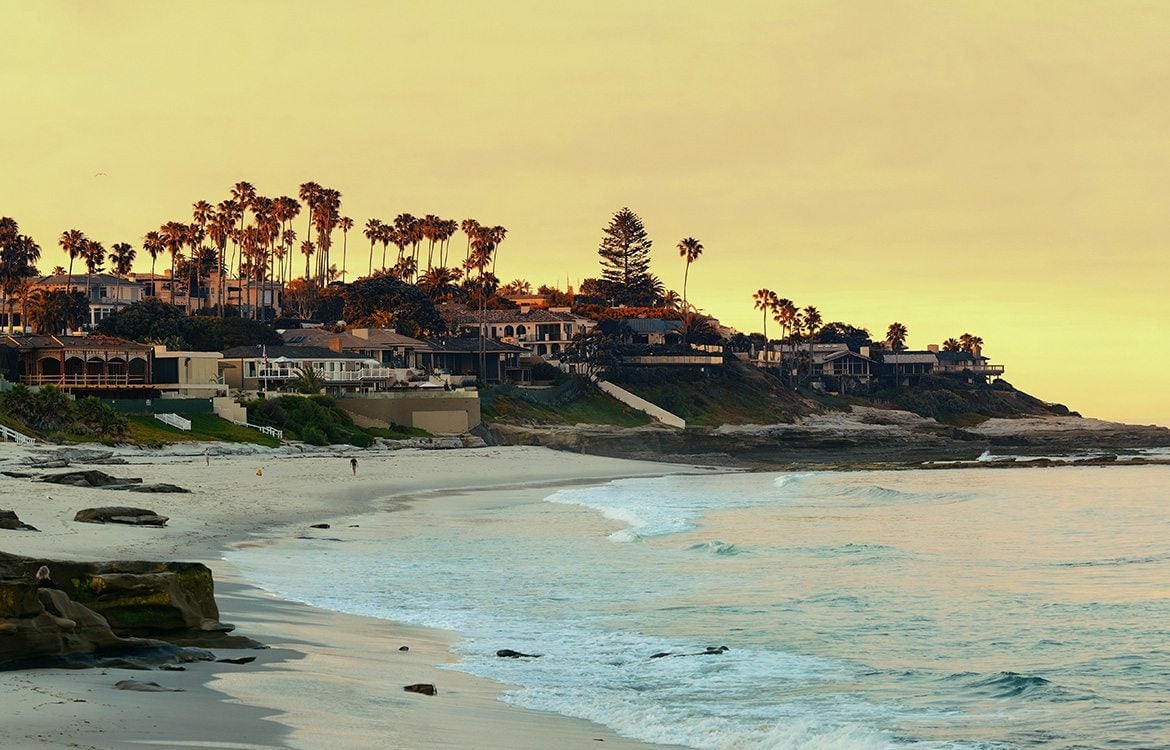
(85,380)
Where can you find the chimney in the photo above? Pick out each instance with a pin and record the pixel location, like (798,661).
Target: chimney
(978,351)
(864,351)
(524,309)
(932,348)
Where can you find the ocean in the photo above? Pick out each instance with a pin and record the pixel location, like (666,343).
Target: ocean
(956,608)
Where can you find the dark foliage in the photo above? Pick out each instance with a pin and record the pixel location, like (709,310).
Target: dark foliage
(384,300)
(154,321)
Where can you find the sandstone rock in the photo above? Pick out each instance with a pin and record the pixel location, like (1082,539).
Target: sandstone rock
(8,520)
(109,614)
(132,516)
(158,487)
(88,478)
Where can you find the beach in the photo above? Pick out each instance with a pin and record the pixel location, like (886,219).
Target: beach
(327,679)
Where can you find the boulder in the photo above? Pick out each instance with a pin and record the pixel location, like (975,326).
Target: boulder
(8,520)
(159,487)
(135,614)
(88,478)
(423,688)
(131,516)
(507,653)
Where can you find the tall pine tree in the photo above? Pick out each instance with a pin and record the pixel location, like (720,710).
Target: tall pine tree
(625,260)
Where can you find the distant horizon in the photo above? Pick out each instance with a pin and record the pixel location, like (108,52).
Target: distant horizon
(1001,171)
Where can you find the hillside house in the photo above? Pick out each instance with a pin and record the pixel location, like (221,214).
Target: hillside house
(544,333)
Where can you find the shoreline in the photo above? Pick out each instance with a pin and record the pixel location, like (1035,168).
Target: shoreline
(328,677)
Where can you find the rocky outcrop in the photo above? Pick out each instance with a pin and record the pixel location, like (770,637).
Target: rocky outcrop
(123,515)
(88,478)
(9,520)
(866,437)
(114,613)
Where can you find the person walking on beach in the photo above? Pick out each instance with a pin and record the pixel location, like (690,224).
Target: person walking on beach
(353,465)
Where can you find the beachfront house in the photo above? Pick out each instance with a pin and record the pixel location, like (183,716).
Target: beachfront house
(460,358)
(91,365)
(389,348)
(278,368)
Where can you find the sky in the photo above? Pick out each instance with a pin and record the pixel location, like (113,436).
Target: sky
(1000,169)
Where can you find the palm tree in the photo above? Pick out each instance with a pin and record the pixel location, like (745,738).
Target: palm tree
(153,244)
(307,251)
(896,336)
(969,343)
(94,256)
(373,232)
(121,257)
(174,236)
(470,228)
(952,345)
(72,241)
(344,224)
(18,256)
(689,249)
(812,324)
(765,300)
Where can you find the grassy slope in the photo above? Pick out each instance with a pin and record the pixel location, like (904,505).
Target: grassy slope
(146,430)
(733,394)
(573,403)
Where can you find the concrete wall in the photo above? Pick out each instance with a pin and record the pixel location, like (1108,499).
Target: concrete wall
(438,412)
(641,404)
(226,408)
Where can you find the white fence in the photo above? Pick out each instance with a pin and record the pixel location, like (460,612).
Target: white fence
(270,431)
(17,437)
(174,420)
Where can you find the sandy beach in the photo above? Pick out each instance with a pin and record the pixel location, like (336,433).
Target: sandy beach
(327,679)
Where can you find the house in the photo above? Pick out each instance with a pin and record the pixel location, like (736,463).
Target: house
(241,295)
(106,293)
(905,367)
(188,373)
(82,365)
(391,349)
(965,363)
(462,356)
(652,331)
(545,333)
(273,368)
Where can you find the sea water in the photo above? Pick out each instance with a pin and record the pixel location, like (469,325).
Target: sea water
(947,608)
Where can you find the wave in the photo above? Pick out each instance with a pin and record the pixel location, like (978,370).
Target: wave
(1114,562)
(1004,684)
(716,547)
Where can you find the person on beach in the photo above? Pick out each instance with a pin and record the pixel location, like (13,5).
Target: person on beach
(43,579)
(353,465)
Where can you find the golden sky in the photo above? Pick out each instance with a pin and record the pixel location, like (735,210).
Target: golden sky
(995,168)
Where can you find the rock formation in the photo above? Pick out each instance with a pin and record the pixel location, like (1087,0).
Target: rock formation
(133,613)
(131,516)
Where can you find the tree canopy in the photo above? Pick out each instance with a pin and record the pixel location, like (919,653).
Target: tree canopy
(155,321)
(625,260)
(384,301)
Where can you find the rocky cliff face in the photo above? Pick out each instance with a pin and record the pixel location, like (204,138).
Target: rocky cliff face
(119,610)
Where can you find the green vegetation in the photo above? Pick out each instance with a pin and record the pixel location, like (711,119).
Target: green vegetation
(575,401)
(736,393)
(317,420)
(155,321)
(954,401)
(50,413)
(146,430)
